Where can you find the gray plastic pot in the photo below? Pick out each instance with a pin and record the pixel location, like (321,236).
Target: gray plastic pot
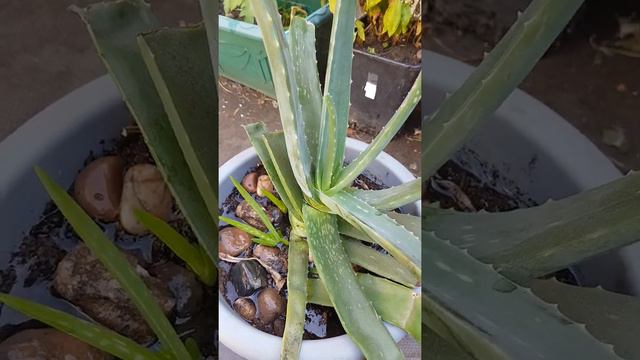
(542,153)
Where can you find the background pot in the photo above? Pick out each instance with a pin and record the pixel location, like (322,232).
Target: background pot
(242,56)
(375,78)
(254,344)
(543,154)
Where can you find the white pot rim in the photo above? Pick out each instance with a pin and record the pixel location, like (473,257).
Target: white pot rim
(251,343)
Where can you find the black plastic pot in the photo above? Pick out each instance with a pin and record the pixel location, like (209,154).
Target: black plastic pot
(378,88)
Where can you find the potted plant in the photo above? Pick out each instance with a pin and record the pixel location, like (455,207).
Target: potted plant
(387,59)
(152,75)
(487,296)
(329,219)
(242,56)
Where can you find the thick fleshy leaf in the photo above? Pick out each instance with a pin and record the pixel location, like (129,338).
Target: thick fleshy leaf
(365,158)
(379,263)
(90,333)
(393,197)
(114,27)
(610,317)
(209,11)
(280,173)
(286,87)
(401,243)
(489,317)
(396,304)
(114,260)
(327,151)
(497,76)
(302,36)
(527,243)
(439,348)
(297,272)
(357,315)
(337,82)
(188,90)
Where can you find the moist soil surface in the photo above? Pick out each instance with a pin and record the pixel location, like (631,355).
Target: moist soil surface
(320,321)
(32,266)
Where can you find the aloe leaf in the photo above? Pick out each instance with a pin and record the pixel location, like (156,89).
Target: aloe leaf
(610,317)
(259,236)
(441,349)
(85,331)
(187,88)
(113,27)
(393,197)
(527,243)
(305,64)
(286,89)
(277,202)
(296,298)
(365,158)
(379,263)
(490,84)
(489,317)
(410,222)
(277,149)
(281,176)
(103,248)
(337,82)
(194,350)
(257,208)
(356,313)
(328,143)
(396,304)
(383,230)
(209,10)
(192,255)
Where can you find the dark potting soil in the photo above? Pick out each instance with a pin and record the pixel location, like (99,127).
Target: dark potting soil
(32,267)
(402,50)
(320,321)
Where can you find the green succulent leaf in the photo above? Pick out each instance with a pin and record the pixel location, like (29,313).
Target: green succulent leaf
(85,331)
(441,349)
(365,158)
(187,87)
(277,202)
(401,243)
(610,317)
(327,150)
(490,84)
(286,88)
(379,263)
(192,255)
(356,313)
(272,153)
(305,65)
(296,298)
(469,304)
(114,260)
(527,243)
(337,82)
(114,27)
(257,208)
(396,304)
(209,10)
(393,197)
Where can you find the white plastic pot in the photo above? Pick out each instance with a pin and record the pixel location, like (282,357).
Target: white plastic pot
(253,344)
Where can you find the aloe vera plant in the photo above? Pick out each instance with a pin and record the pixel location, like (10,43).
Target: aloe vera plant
(159,85)
(485,296)
(305,162)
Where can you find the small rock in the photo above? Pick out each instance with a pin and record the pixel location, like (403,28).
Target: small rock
(270,305)
(247,277)
(184,285)
(246,308)
(246,213)
(48,344)
(264,183)
(143,188)
(233,241)
(250,182)
(98,188)
(272,256)
(82,279)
